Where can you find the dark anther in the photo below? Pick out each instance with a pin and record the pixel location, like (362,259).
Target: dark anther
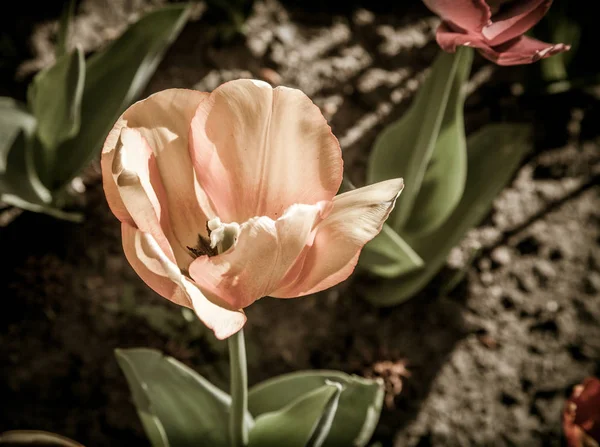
(202,248)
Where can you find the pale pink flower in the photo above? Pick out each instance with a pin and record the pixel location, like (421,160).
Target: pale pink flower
(495,27)
(231,196)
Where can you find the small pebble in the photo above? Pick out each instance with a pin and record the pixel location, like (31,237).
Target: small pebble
(501,255)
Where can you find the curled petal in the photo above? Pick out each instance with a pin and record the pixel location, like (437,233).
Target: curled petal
(265,251)
(163,120)
(523,50)
(515,20)
(138,186)
(356,218)
(162,275)
(258,150)
(466,15)
(111,191)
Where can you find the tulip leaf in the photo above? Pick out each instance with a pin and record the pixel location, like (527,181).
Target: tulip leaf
(406,148)
(494,154)
(36,437)
(177,406)
(18,176)
(304,422)
(446,174)
(114,79)
(54,97)
(358,409)
(64,28)
(388,255)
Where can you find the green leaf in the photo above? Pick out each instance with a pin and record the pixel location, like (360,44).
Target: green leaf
(304,422)
(64,29)
(177,406)
(36,437)
(14,119)
(389,255)
(358,409)
(18,176)
(114,79)
(405,148)
(494,154)
(54,97)
(444,180)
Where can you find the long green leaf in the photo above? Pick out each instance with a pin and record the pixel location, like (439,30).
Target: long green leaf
(404,148)
(177,406)
(54,97)
(64,28)
(114,79)
(18,177)
(388,255)
(305,422)
(36,437)
(446,174)
(494,153)
(358,408)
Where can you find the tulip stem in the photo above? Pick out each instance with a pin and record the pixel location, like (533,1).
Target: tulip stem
(238,430)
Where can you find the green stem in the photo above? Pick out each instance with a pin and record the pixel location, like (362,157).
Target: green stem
(238,431)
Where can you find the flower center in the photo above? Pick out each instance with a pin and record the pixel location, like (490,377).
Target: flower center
(222,236)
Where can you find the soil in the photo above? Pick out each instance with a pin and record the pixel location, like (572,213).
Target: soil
(487,363)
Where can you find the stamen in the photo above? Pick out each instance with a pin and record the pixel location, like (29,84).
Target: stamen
(202,248)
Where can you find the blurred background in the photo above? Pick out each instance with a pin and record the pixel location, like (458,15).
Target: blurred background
(484,355)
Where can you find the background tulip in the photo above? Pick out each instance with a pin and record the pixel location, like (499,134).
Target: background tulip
(248,168)
(495,27)
(581,416)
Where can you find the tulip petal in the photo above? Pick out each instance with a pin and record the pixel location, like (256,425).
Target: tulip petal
(467,15)
(581,414)
(356,218)
(514,20)
(163,119)
(258,150)
(449,39)
(264,252)
(111,191)
(523,50)
(139,187)
(164,277)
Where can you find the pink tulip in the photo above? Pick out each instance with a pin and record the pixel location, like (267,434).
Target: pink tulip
(581,415)
(229,196)
(495,28)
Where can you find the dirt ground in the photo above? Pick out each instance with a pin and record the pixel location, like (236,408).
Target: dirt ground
(487,363)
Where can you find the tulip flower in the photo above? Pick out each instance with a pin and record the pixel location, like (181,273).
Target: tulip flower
(581,415)
(229,196)
(495,28)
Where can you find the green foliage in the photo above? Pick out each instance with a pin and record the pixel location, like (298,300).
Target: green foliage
(54,98)
(72,106)
(494,154)
(64,29)
(177,406)
(35,437)
(444,192)
(427,148)
(115,77)
(306,421)
(358,409)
